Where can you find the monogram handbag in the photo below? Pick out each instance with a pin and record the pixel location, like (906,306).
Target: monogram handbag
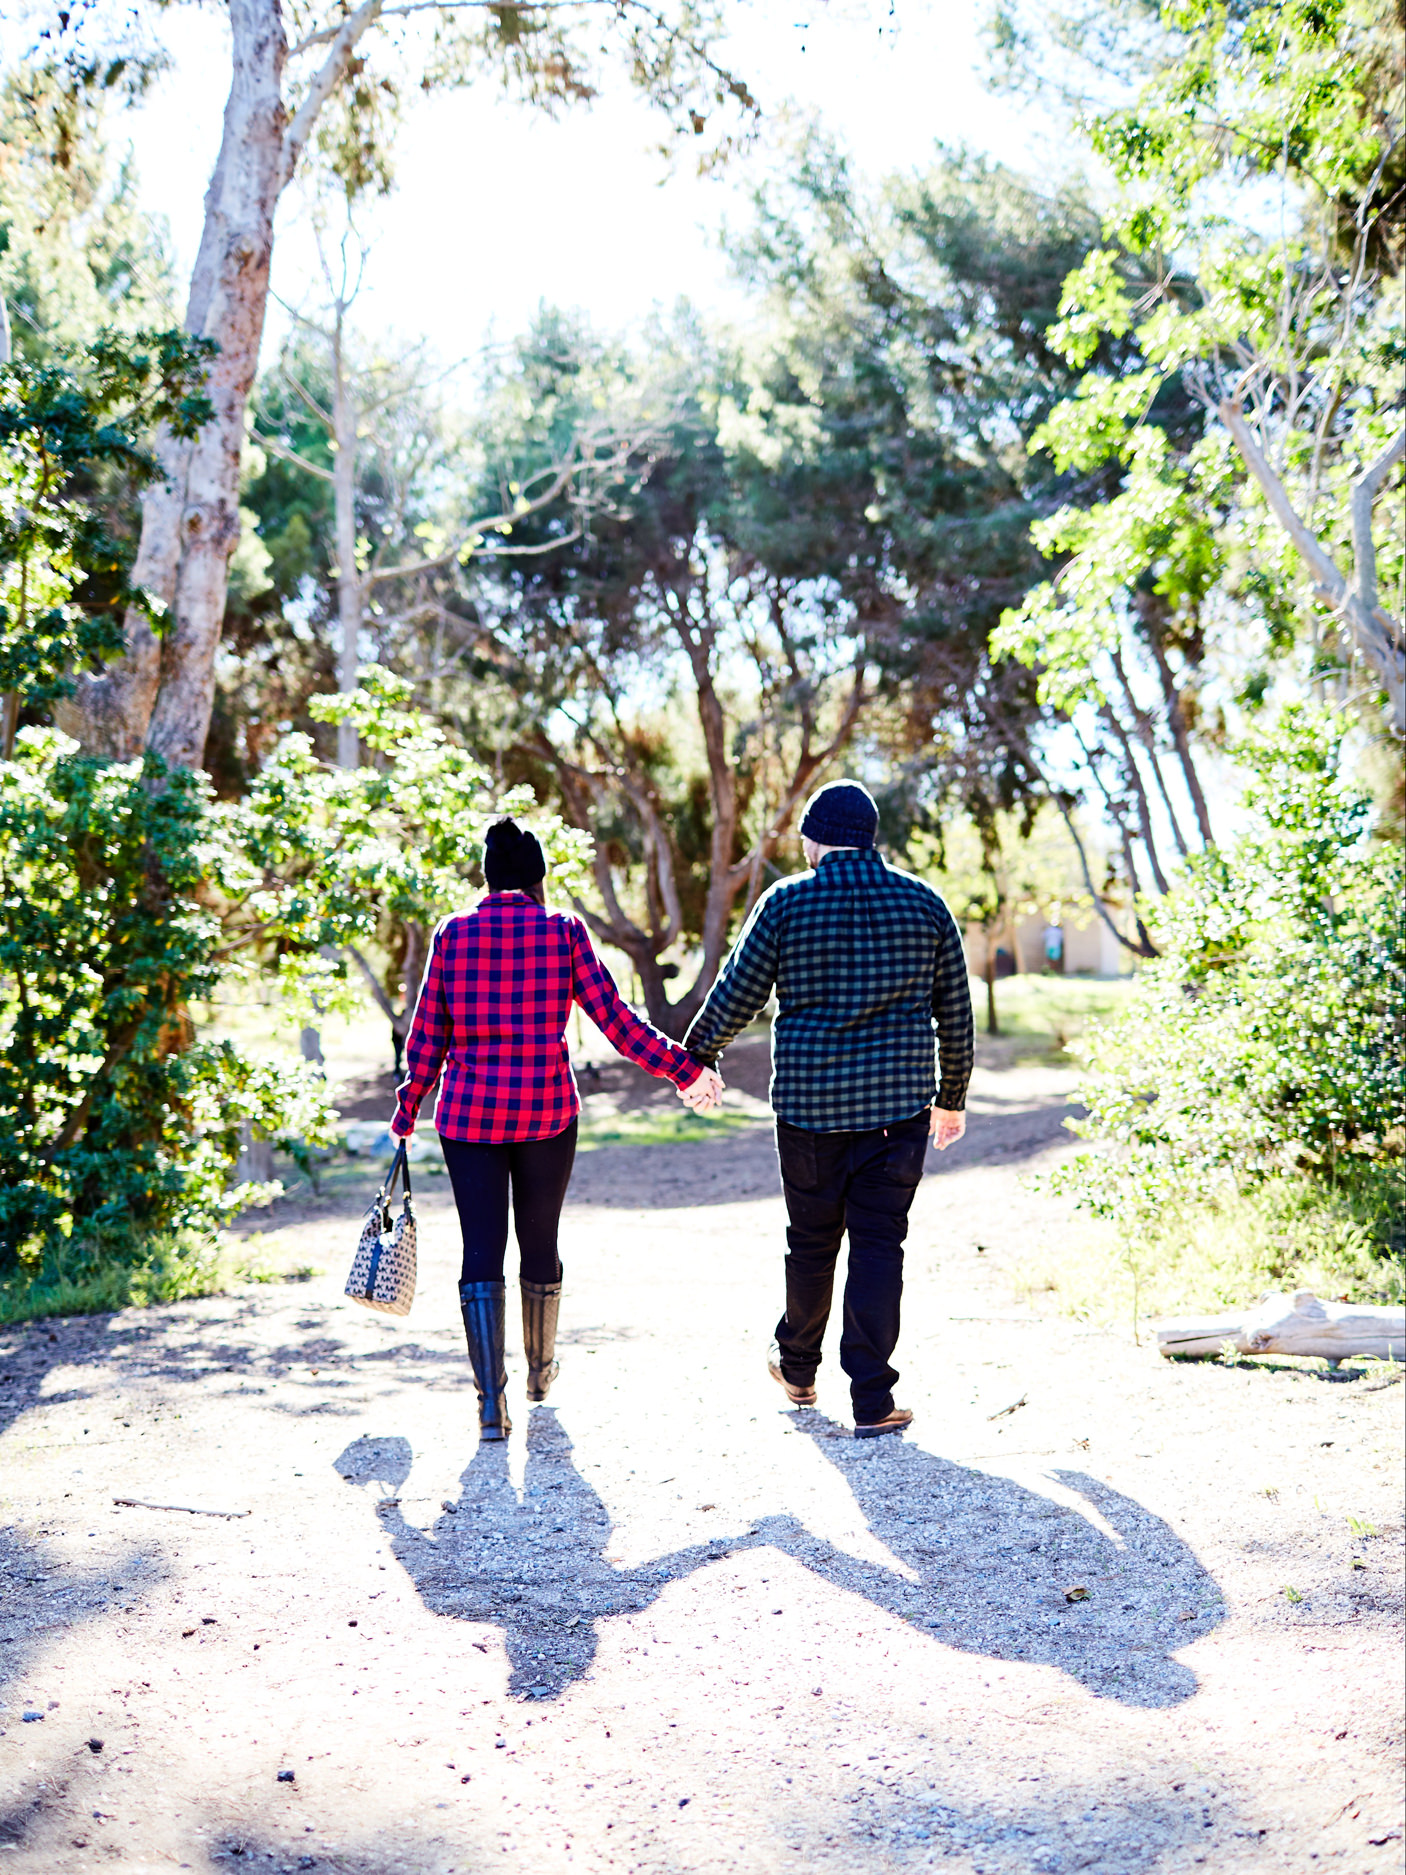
(383,1269)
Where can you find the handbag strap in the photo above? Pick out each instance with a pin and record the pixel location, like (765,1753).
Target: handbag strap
(400,1168)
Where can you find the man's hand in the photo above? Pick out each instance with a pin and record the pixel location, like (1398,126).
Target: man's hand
(705,1093)
(946,1128)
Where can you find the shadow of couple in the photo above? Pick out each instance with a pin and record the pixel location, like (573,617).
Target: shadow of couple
(984,1562)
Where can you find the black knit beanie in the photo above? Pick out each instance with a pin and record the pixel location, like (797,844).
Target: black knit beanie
(512,858)
(841,814)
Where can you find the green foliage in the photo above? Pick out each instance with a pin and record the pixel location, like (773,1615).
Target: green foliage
(1264,1046)
(321,859)
(127,892)
(112,1125)
(78,1278)
(77,254)
(71,452)
(1251,253)
(1233,1246)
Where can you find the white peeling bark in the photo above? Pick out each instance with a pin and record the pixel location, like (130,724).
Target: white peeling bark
(160,693)
(229,294)
(350,586)
(1378,638)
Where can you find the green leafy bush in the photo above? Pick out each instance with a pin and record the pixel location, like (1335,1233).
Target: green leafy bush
(1261,1054)
(127,892)
(72,453)
(114,1123)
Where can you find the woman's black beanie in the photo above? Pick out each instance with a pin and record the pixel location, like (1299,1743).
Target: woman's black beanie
(512,858)
(842,813)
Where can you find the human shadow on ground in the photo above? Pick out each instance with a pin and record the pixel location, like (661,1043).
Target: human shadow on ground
(992,1563)
(535,1565)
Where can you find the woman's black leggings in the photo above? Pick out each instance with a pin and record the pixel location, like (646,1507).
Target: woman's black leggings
(539,1171)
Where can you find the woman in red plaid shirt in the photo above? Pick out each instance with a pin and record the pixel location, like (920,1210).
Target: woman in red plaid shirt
(492,1014)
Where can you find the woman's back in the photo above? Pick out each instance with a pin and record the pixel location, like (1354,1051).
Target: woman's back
(493,1011)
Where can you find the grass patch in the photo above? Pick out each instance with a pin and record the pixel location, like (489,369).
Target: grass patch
(170,1267)
(1053,1011)
(1229,1249)
(656,1126)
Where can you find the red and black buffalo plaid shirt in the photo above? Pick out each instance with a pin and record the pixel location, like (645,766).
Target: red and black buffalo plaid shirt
(492,1012)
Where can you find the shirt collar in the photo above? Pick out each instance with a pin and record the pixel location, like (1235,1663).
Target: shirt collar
(851,856)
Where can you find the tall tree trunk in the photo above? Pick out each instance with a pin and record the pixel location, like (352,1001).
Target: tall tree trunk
(989,977)
(1152,610)
(161,691)
(350,597)
(1147,736)
(722,790)
(229,294)
(1139,794)
(10,702)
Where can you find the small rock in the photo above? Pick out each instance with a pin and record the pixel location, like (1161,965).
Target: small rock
(30,1717)
(1076,1595)
(287,1777)
(95,1744)
(351,1624)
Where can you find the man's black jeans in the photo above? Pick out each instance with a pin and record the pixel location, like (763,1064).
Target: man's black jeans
(863,1182)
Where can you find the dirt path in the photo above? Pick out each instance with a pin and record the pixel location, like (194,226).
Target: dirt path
(673,1626)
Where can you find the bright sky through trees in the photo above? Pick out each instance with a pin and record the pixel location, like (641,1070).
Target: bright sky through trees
(498,208)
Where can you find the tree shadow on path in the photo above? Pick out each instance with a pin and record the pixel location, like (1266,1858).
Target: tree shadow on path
(535,1565)
(992,1562)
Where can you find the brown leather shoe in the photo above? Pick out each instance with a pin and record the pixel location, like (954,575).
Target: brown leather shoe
(898,1421)
(798,1396)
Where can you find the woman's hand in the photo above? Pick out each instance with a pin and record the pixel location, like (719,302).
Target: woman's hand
(705,1093)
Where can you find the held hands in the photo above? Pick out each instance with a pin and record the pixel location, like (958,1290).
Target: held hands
(946,1128)
(705,1094)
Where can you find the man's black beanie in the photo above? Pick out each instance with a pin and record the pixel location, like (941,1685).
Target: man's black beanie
(841,814)
(512,858)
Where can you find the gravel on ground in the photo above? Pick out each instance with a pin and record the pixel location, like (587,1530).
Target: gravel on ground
(1094,1611)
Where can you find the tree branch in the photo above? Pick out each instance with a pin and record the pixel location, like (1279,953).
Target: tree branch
(285,454)
(1376,636)
(325,81)
(387,1007)
(1364,494)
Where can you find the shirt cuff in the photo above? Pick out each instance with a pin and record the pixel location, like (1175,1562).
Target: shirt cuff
(686,1075)
(952,1099)
(705,1058)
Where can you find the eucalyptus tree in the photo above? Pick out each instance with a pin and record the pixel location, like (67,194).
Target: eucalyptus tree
(1251,262)
(334,93)
(675,684)
(910,351)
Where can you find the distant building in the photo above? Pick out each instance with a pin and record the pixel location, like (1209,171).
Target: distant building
(1080,946)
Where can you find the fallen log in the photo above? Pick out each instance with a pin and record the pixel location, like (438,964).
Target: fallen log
(1298,1324)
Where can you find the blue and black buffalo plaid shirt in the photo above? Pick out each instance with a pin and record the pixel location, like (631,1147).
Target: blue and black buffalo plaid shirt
(866,962)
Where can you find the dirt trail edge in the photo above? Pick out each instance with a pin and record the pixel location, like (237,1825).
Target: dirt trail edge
(1095,1612)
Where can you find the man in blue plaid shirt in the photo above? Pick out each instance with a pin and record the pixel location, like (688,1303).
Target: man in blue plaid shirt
(868,970)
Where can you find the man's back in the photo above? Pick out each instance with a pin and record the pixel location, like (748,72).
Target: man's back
(864,959)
